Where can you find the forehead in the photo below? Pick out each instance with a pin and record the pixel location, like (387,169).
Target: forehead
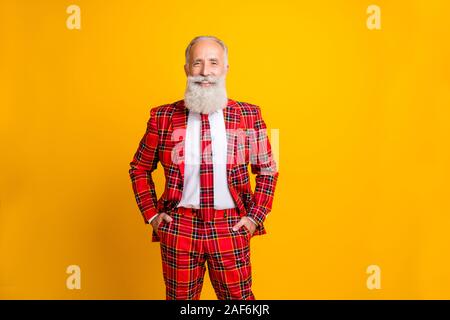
(206,49)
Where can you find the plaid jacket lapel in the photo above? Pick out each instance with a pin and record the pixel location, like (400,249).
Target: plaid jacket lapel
(232,117)
(179,122)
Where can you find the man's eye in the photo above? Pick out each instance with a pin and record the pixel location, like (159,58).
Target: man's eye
(214,62)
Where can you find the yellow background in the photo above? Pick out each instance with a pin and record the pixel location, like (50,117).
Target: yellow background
(363,119)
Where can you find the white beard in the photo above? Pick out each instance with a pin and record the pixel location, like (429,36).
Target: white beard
(205,99)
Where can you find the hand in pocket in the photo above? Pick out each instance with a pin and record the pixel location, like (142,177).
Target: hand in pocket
(161,218)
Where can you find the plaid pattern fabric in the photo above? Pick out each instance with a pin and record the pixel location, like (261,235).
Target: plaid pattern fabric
(206,170)
(247,144)
(187,242)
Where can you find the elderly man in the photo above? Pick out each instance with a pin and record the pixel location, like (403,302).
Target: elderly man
(208,212)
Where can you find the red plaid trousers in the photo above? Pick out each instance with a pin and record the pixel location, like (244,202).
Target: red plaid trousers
(188,242)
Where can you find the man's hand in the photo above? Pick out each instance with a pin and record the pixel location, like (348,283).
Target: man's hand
(249,224)
(155,223)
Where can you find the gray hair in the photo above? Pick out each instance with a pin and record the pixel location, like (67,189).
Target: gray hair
(199,38)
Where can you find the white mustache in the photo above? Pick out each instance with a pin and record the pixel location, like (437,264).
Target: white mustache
(210,79)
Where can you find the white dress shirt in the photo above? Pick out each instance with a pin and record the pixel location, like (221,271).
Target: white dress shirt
(192,150)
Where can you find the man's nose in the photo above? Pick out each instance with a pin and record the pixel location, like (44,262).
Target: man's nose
(205,70)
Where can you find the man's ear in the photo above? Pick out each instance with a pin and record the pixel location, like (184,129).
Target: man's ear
(186,71)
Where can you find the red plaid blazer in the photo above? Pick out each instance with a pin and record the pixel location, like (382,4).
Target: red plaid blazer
(247,144)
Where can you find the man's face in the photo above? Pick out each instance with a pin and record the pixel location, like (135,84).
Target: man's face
(206,59)
(206,71)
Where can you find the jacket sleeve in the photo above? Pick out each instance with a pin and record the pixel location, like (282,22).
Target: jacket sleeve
(264,167)
(144,162)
